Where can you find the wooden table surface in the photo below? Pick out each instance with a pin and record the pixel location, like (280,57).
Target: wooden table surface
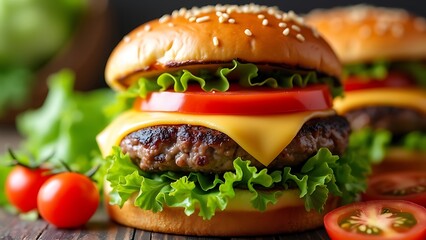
(12,227)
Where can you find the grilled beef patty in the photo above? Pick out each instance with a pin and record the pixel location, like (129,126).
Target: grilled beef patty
(195,148)
(398,120)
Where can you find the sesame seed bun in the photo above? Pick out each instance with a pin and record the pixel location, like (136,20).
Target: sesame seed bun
(363,33)
(240,222)
(217,35)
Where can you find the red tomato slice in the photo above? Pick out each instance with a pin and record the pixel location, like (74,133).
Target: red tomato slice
(393,80)
(410,186)
(239,101)
(386,219)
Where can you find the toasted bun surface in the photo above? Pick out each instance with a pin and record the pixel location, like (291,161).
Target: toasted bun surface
(364,33)
(292,218)
(398,159)
(219,34)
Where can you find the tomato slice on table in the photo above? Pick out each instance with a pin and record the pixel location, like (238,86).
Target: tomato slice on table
(386,219)
(410,186)
(393,79)
(239,101)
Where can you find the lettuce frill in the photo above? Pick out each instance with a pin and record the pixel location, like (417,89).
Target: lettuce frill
(322,175)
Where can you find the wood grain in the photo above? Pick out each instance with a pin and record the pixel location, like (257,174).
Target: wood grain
(99,227)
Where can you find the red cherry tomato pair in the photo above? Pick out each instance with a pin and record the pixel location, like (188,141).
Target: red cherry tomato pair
(66,200)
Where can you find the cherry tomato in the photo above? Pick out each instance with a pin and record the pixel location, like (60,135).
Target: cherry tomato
(239,101)
(393,79)
(410,186)
(386,219)
(22,186)
(68,200)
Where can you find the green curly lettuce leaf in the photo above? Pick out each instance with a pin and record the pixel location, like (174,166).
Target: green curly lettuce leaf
(210,193)
(380,69)
(416,69)
(370,144)
(415,141)
(375,70)
(247,75)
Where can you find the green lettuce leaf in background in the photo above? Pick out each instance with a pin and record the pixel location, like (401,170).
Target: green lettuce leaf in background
(415,141)
(379,70)
(370,144)
(65,127)
(210,193)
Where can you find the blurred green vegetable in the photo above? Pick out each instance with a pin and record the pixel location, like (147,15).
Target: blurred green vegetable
(65,127)
(32,32)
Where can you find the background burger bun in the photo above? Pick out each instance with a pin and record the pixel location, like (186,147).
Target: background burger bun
(363,33)
(399,159)
(225,223)
(199,36)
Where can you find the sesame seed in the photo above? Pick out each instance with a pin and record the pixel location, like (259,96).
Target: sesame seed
(175,13)
(182,11)
(295,28)
(222,19)
(225,15)
(215,41)
(282,24)
(202,19)
(381,27)
(397,30)
(365,31)
(286,31)
(218,13)
(164,18)
(278,16)
(248,32)
(300,37)
(261,16)
(231,20)
(147,28)
(192,19)
(265,22)
(315,33)
(170,24)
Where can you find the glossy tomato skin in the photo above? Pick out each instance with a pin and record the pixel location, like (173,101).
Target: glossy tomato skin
(239,101)
(68,200)
(406,185)
(22,186)
(392,80)
(377,220)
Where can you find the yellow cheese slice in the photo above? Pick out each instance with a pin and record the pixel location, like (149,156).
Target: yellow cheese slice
(399,97)
(264,137)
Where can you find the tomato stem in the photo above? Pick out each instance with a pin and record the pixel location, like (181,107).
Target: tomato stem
(92,172)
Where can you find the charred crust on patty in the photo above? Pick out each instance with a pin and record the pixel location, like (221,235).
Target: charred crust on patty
(195,148)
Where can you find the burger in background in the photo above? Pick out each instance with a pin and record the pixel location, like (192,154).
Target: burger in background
(384,55)
(40,38)
(229,118)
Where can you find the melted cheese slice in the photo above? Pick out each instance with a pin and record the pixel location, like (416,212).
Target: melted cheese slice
(402,97)
(263,137)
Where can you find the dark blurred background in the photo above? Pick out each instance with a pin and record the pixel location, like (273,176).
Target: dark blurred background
(40,37)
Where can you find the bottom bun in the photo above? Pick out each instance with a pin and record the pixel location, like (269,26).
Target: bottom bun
(398,159)
(224,223)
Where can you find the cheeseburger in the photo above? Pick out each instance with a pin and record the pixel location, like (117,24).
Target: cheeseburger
(383,51)
(231,129)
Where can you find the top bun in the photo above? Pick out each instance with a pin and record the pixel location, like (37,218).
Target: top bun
(219,34)
(363,33)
